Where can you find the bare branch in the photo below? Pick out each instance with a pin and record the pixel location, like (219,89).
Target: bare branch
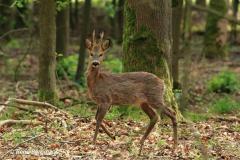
(205,9)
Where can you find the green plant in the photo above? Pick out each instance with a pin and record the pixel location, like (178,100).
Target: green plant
(114,65)
(225,105)
(67,66)
(196,117)
(224,82)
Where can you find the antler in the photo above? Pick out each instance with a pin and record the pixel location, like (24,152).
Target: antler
(101,37)
(93,37)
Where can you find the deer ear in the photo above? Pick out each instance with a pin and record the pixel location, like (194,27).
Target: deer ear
(88,44)
(106,44)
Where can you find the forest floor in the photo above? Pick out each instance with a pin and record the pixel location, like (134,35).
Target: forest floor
(61,136)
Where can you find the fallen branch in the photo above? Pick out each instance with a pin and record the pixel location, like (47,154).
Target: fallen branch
(228,119)
(12,121)
(38,104)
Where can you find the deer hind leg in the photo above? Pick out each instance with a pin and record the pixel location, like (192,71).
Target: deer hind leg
(172,115)
(162,108)
(103,127)
(102,110)
(153,120)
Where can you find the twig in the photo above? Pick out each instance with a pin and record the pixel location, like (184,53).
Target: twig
(28,140)
(13,121)
(13,31)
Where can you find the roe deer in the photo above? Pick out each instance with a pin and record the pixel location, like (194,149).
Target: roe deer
(140,88)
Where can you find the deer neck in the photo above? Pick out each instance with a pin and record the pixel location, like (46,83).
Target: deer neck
(92,75)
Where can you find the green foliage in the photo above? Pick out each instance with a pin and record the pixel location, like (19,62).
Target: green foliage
(110,9)
(129,112)
(61,4)
(225,105)
(196,117)
(18,136)
(68,66)
(20,3)
(114,65)
(224,82)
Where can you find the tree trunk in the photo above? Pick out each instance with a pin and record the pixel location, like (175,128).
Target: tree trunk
(62,21)
(5,16)
(119,16)
(147,42)
(235,4)
(76,13)
(113,20)
(216,31)
(47,57)
(176,30)
(81,58)
(187,57)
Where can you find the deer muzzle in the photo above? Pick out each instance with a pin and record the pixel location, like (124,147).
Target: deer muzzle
(95,63)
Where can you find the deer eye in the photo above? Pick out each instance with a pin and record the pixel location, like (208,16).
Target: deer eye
(100,55)
(91,54)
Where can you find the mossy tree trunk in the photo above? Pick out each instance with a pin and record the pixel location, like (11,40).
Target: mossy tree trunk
(147,42)
(85,30)
(216,31)
(176,30)
(62,22)
(47,57)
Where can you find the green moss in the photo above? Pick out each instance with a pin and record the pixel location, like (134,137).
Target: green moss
(143,52)
(48,96)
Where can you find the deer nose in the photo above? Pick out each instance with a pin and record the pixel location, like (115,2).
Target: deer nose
(95,63)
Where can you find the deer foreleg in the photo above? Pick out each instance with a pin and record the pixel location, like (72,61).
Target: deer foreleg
(102,110)
(153,120)
(104,128)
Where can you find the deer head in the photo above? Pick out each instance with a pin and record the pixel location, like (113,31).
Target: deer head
(96,49)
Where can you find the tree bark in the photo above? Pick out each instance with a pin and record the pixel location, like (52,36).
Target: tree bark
(62,22)
(119,16)
(216,31)
(235,4)
(176,30)
(47,57)
(81,58)
(147,42)
(5,16)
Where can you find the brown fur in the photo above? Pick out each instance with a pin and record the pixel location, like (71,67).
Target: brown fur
(140,88)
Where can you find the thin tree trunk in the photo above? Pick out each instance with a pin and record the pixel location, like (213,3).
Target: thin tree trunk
(176,21)
(216,31)
(235,4)
(47,57)
(85,30)
(187,56)
(76,13)
(6,16)
(119,16)
(62,22)
(113,20)
(147,42)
